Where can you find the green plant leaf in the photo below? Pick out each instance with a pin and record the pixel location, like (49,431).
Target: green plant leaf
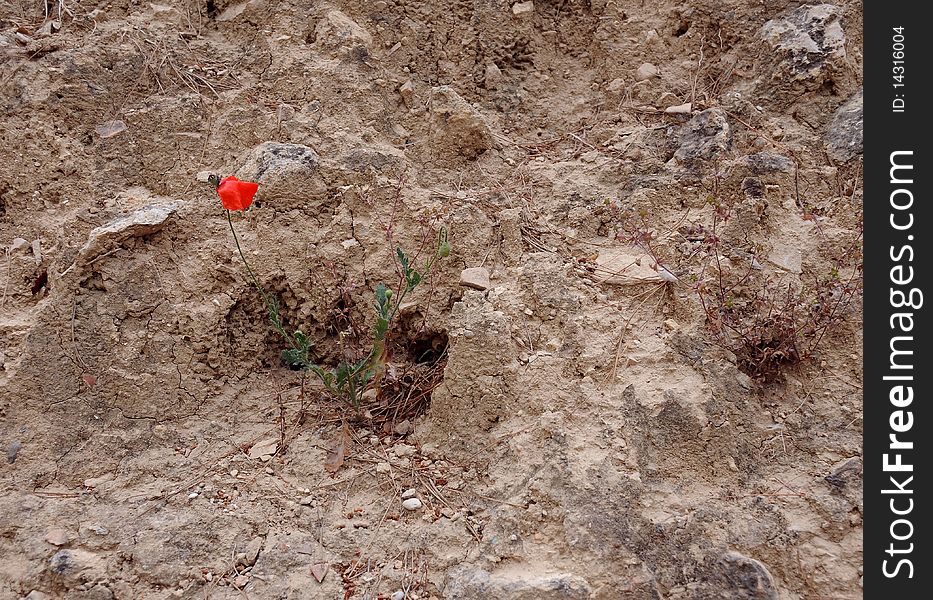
(402,259)
(294,358)
(382,299)
(301,339)
(382,327)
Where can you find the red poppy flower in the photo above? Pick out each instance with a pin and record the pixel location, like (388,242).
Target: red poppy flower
(236,194)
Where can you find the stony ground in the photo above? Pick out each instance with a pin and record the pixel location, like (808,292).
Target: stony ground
(637,375)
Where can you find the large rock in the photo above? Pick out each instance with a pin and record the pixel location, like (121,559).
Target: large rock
(807,47)
(77,566)
(762,163)
(740,577)
(843,137)
(336,31)
(704,136)
(289,175)
(457,129)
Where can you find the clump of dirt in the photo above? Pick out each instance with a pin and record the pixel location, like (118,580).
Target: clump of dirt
(561,415)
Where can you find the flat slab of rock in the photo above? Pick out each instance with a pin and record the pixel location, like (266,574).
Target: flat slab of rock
(139,223)
(476,278)
(514,584)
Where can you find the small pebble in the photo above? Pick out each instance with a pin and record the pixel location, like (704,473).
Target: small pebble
(412,504)
(409,493)
(13,450)
(522,9)
(476,278)
(680,109)
(646,71)
(403,450)
(57,537)
(383,467)
(306,501)
(398,595)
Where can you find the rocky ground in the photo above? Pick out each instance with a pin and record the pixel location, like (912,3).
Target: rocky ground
(637,375)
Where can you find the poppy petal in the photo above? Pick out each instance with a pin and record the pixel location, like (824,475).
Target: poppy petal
(235,194)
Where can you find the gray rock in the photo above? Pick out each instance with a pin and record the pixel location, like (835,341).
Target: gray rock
(476,278)
(787,257)
(844,472)
(271,159)
(13,450)
(251,553)
(19,244)
(762,163)
(808,44)
(843,137)
(493,77)
(745,578)
(36,595)
(335,31)
(704,136)
(98,592)
(469,583)
(77,565)
(289,175)
(62,562)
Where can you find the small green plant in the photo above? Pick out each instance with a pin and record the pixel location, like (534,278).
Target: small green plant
(349,380)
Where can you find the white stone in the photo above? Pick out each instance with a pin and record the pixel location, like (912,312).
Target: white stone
(476,278)
(521,9)
(404,450)
(411,504)
(680,109)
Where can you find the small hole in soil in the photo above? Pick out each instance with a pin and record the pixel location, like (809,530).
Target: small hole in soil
(682,28)
(429,348)
(415,371)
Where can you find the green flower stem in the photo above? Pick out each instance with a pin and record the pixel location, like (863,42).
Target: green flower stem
(271,306)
